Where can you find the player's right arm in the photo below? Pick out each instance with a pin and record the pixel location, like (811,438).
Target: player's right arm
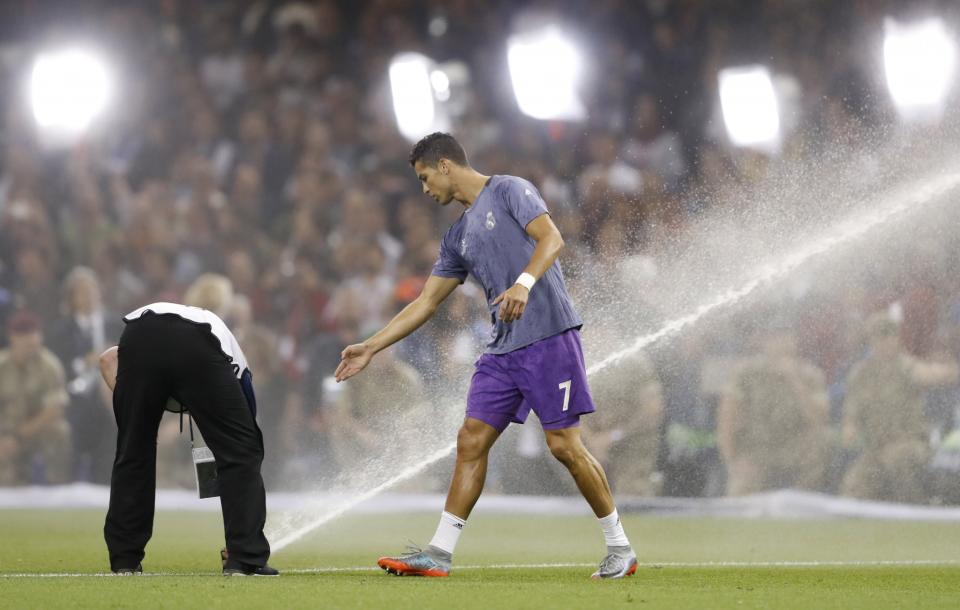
(355,357)
(108,366)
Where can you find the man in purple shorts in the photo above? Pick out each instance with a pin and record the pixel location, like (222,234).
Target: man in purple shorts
(508,242)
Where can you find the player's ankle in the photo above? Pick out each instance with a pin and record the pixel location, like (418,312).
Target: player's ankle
(439,554)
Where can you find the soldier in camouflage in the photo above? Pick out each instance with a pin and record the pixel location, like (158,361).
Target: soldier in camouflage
(34,434)
(773,423)
(883,417)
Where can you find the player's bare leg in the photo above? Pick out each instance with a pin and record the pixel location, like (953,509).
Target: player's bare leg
(567,447)
(470,473)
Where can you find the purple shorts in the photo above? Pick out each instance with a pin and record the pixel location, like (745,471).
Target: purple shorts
(548,376)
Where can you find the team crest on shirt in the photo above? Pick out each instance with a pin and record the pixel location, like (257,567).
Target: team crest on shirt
(491,221)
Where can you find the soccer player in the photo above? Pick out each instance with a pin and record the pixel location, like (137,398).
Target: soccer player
(508,242)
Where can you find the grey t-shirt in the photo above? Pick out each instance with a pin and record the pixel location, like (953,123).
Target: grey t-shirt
(490,242)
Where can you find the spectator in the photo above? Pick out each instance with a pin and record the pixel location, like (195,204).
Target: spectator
(34,433)
(624,434)
(78,338)
(883,417)
(361,427)
(773,427)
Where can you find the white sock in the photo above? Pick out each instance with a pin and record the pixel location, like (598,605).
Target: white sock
(613,530)
(448,532)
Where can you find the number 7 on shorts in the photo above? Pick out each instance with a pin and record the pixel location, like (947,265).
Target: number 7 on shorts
(565,386)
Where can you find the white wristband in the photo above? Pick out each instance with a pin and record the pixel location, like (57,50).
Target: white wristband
(526,280)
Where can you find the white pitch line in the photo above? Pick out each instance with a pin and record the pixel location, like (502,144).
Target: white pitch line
(530,566)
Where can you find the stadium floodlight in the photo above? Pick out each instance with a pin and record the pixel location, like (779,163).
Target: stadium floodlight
(413,83)
(545,69)
(441,84)
(919,60)
(69,88)
(750,110)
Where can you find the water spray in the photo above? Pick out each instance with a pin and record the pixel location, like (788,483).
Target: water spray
(905,200)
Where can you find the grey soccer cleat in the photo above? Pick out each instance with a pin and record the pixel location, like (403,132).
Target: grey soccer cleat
(432,562)
(620,561)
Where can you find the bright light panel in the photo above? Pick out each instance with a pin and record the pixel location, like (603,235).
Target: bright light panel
(441,84)
(413,95)
(68,90)
(545,68)
(749,104)
(919,60)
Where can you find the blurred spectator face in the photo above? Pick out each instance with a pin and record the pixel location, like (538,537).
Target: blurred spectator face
(308,278)
(317,137)
(83,291)
(427,254)
(289,117)
(412,214)
(220,40)
(646,119)
(612,239)
(25,346)
(308,188)
(372,261)
(247,188)
(884,336)
(32,266)
(329,20)
(363,213)
(419,234)
(241,269)
(24,222)
(603,148)
(204,125)
(156,268)
(26,340)
(885,346)
(254,71)
(253,128)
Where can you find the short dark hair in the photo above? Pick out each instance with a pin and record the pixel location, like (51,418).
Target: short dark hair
(430,149)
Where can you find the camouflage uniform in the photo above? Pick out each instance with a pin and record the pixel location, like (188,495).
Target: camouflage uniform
(624,433)
(773,426)
(883,412)
(26,389)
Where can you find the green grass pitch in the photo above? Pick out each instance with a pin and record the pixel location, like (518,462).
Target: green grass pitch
(685,563)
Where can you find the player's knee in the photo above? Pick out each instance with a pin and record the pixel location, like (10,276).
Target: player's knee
(469,444)
(564,450)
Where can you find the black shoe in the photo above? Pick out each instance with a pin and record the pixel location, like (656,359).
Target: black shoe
(232,567)
(129,571)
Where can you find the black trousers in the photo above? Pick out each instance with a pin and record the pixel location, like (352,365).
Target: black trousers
(163,355)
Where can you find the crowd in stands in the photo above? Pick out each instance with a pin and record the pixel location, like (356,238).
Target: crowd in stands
(256,139)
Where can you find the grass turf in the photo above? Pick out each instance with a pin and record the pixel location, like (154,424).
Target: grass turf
(184,551)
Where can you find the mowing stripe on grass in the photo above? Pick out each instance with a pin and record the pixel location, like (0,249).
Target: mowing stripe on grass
(533,566)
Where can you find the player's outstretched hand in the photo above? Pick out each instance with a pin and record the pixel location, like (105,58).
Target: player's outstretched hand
(512,302)
(353,359)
